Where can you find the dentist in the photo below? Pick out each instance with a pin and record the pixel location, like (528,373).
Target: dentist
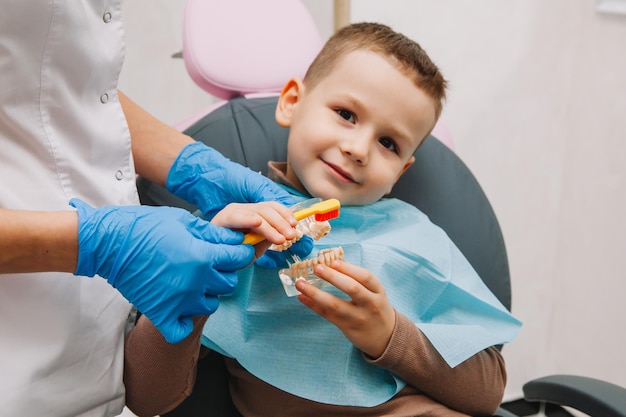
(71,146)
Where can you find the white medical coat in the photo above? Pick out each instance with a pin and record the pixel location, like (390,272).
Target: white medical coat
(62,134)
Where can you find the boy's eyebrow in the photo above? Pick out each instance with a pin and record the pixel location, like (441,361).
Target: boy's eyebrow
(350,98)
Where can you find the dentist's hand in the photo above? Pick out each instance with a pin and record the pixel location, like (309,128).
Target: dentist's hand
(206,178)
(170,264)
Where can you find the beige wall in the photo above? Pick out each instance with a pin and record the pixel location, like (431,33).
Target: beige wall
(537,106)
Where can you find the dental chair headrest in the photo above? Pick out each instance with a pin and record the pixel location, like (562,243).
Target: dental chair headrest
(228,62)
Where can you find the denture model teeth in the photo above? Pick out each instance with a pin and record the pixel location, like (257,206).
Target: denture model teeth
(304,269)
(308,226)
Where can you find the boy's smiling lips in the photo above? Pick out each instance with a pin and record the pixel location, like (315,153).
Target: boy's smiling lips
(338,172)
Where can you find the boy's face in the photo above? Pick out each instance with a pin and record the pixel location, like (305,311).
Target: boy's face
(354,133)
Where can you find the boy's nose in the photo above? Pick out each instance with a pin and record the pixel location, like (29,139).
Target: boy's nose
(357,149)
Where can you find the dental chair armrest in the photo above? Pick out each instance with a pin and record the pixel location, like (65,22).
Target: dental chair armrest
(501,412)
(589,395)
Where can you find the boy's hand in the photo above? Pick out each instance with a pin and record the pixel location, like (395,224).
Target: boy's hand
(272,220)
(367,319)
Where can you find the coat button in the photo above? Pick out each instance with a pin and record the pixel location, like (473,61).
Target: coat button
(106,17)
(119,175)
(104,98)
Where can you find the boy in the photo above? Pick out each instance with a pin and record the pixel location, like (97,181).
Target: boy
(375,343)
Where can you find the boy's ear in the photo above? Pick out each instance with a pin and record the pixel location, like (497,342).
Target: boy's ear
(406,166)
(289,96)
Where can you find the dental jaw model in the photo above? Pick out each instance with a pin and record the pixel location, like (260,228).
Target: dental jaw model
(304,270)
(312,216)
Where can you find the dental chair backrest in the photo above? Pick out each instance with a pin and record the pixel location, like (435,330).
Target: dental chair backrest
(438,183)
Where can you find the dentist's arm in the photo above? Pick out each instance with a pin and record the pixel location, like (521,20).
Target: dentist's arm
(48,241)
(192,170)
(155,144)
(139,250)
(38,241)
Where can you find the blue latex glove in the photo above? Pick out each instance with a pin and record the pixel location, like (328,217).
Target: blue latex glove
(273,260)
(206,178)
(170,264)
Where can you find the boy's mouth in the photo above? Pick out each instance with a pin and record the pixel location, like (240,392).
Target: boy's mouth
(341,173)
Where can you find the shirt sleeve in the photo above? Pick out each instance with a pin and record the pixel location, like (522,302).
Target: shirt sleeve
(476,386)
(158,375)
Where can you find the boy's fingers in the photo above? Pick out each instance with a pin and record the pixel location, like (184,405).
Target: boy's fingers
(352,273)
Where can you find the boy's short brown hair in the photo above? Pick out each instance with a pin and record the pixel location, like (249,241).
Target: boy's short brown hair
(404,53)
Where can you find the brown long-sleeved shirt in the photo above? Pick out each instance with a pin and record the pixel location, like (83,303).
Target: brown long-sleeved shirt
(159,376)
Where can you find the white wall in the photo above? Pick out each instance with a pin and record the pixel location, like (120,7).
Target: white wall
(537,106)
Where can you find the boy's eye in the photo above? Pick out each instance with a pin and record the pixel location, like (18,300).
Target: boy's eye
(346,115)
(389,144)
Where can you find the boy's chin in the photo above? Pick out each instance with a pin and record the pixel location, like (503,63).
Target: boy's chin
(356,200)
(327,191)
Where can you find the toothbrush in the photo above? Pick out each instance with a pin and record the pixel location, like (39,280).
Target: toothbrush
(319,212)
